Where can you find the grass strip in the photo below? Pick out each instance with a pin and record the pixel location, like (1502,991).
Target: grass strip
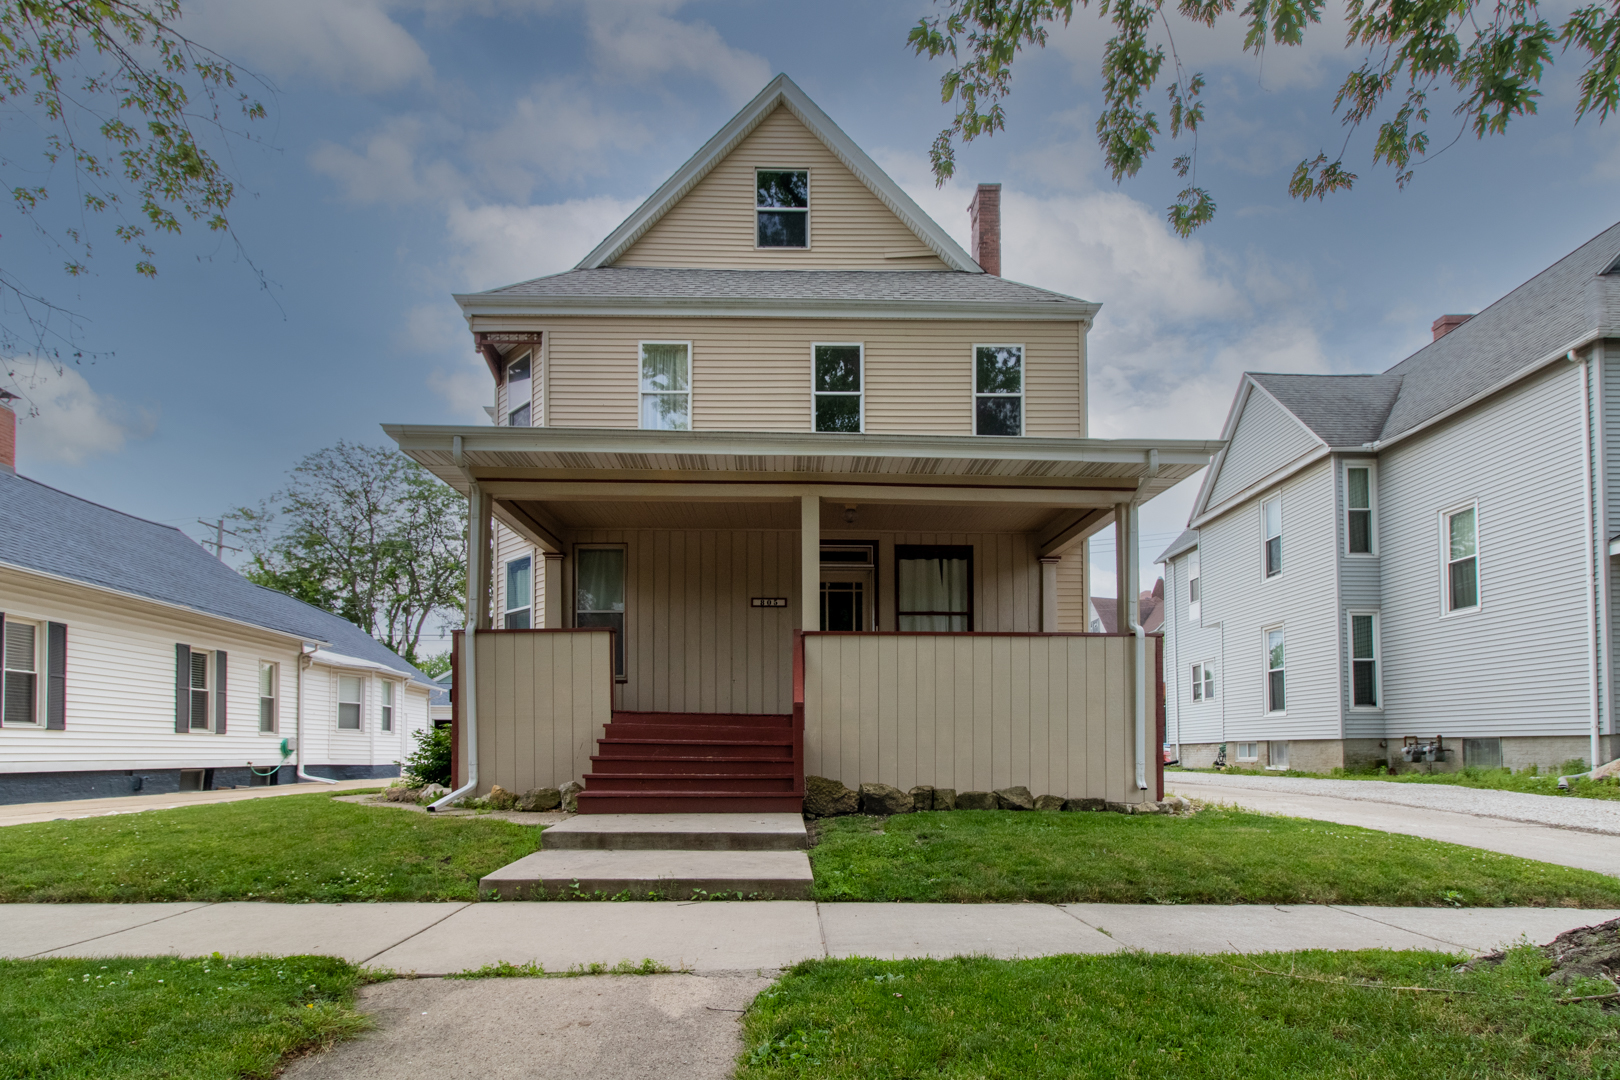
(129,1019)
(1529,781)
(1212,857)
(505,969)
(1176,1018)
(289,848)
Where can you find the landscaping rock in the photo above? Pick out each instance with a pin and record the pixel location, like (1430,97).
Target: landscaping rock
(1084,804)
(1015,798)
(1049,802)
(431,793)
(541,798)
(500,799)
(570,792)
(1120,808)
(977,800)
(401,793)
(883,800)
(922,797)
(1177,805)
(944,798)
(829,798)
(1587,952)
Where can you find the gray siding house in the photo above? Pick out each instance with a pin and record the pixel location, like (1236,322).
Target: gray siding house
(1414,564)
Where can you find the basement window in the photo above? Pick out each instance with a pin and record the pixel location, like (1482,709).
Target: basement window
(782,208)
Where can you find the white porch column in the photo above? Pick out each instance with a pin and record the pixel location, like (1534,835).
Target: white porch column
(1049,601)
(809,562)
(478,557)
(553,585)
(1125,589)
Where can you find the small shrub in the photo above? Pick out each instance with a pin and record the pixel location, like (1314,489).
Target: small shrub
(429,763)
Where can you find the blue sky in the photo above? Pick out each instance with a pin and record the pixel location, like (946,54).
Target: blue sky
(419,148)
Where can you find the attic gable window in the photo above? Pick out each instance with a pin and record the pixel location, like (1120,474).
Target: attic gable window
(782,208)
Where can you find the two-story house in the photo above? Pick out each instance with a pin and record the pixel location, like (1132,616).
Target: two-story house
(1414,565)
(821,474)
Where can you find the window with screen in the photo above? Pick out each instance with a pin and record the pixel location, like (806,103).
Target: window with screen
(998,390)
(519,594)
(350,690)
(269,681)
(599,595)
(782,208)
(838,393)
(1462,560)
(386,693)
(1364,660)
(934,587)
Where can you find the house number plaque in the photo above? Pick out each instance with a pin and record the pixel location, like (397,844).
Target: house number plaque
(768,601)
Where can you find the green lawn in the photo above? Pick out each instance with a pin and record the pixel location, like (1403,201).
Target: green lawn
(1530,781)
(1174,1018)
(287,848)
(1212,857)
(123,1019)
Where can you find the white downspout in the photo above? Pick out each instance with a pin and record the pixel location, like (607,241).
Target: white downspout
(467,692)
(1590,583)
(1131,613)
(304,661)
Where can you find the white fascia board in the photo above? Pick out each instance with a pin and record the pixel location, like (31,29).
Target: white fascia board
(1204,489)
(1270,480)
(166,604)
(484,304)
(331,659)
(780,91)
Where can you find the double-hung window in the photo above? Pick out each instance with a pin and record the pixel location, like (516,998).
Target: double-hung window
(839,375)
(1364,660)
(599,595)
(1276,680)
(1203,681)
(519,391)
(269,682)
(201,690)
(1460,530)
(21,667)
(1271,524)
(350,697)
(666,385)
(1195,591)
(782,208)
(1358,509)
(998,390)
(520,593)
(387,698)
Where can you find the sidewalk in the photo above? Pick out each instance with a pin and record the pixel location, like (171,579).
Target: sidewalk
(1490,824)
(717,936)
(24,813)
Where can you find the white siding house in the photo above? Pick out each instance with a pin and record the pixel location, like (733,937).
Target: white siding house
(1431,516)
(134,661)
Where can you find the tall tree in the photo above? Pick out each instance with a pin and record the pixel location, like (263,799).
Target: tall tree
(1492,57)
(121,108)
(365,533)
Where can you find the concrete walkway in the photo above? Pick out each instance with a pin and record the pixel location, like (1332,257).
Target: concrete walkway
(715,936)
(24,813)
(1413,809)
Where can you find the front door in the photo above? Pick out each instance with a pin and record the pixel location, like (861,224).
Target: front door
(848,601)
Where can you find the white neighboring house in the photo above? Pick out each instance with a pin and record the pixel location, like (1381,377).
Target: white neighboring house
(1417,556)
(134,661)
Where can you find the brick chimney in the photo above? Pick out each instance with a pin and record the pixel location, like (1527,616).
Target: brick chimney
(8,435)
(985,213)
(1445,324)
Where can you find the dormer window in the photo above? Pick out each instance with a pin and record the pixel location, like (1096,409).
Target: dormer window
(519,396)
(782,207)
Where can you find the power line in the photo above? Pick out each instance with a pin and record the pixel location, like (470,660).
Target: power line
(218,542)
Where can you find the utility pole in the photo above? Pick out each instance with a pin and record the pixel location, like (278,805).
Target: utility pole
(218,542)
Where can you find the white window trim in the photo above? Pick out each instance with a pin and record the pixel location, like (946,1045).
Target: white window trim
(211,687)
(1195,608)
(1446,515)
(1350,661)
(809,205)
(814,393)
(506,596)
(1211,676)
(691,380)
(1371,465)
(1282,529)
(40,679)
(1239,755)
(1266,669)
(275,708)
(337,697)
(1023,386)
(388,706)
(1197,683)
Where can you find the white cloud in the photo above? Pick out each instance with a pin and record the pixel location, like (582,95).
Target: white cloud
(384,168)
(62,419)
(466,388)
(499,245)
(343,43)
(637,41)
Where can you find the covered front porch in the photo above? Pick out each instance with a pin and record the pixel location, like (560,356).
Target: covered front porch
(940,584)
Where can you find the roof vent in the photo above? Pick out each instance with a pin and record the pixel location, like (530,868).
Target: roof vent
(1445,324)
(985,214)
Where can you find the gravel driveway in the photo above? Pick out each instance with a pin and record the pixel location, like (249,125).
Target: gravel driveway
(1562,812)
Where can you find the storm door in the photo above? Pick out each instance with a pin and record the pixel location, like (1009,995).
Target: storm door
(848,587)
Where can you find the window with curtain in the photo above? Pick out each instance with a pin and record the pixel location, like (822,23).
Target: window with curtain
(1364,661)
(599,595)
(998,390)
(838,388)
(782,208)
(349,691)
(1358,509)
(666,386)
(519,391)
(934,587)
(1462,561)
(519,593)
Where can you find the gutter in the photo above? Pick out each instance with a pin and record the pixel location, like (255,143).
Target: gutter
(482,305)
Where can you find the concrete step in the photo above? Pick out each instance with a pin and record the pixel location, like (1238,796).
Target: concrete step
(689,764)
(781,781)
(672,875)
(688,832)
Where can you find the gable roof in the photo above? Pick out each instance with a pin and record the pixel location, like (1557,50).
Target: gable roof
(784,93)
(51,532)
(1181,544)
(1341,410)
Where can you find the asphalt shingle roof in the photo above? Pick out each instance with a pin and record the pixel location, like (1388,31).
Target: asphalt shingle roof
(896,285)
(51,532)
(1343,410)
(1185,542)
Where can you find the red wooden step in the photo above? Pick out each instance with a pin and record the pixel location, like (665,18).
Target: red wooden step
(689,763)
(633,783)
(695,732)
(726,719)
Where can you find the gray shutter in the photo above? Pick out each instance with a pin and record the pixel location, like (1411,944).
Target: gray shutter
(182,688)
(219,692)
(56,676)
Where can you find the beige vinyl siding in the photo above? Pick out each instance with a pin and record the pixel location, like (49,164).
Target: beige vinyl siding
(508,546)
(694,643)
(1073,606)
(754,374)
(1267,438)
(974,713)
(543,700)
(713,224)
